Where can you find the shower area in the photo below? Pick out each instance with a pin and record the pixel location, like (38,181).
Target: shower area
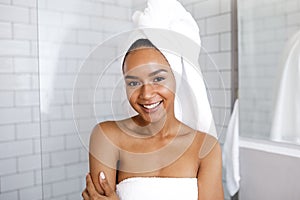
(46,116)
(68,33)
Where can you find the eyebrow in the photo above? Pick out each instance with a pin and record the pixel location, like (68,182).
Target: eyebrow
(151,74)
(131,77)
(157,72)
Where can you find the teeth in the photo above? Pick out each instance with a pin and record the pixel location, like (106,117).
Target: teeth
(151,106)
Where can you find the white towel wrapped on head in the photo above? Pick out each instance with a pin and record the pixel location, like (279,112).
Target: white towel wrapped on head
(181,47)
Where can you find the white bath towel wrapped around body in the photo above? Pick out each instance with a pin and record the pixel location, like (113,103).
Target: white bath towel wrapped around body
(157,188)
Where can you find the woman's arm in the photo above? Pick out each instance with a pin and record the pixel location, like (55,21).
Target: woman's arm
(103,155)
(90,193)
(210,171)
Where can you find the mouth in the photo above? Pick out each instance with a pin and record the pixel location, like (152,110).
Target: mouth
(152,106)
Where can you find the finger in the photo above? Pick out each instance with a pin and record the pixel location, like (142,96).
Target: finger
(90,187)
(108,191)
(85,195)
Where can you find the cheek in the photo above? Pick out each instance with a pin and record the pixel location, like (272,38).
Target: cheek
(166,91)
(167,88)
(132,94)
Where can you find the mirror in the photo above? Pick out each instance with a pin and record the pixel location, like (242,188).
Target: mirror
(269,69)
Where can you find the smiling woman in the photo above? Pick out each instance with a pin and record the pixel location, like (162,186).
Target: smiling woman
(153,148)
(155,154)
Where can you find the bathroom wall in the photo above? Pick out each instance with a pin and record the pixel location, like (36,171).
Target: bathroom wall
(67,31)
(265,27)
(20,160)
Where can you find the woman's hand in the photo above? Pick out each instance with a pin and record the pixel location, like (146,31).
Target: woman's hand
(90,192)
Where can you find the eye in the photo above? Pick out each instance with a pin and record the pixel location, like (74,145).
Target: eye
(158,79)
(133,83)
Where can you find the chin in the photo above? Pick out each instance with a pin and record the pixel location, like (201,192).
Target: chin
(153,118)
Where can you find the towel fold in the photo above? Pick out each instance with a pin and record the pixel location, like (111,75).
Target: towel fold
(157,188)
(231,152)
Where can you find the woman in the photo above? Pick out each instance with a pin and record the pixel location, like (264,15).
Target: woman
(151,155)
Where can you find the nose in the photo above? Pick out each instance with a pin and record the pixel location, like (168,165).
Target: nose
(147,91)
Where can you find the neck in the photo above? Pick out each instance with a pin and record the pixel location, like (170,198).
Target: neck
(167,126)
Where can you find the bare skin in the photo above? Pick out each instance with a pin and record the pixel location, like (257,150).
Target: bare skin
(168,147)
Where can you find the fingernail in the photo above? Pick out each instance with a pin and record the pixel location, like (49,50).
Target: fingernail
(102,176)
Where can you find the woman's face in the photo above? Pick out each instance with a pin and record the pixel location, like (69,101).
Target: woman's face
(150,84)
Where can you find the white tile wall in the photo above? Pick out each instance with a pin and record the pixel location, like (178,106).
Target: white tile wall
(51,144)
(125,3)
(67,33)
(53,174)
(225,41)
(220,23)
(116,12)
(25,3)
(9,195)
(5,1)
(27,130)
(8,166)
(14,48)
(17,181)
(25,65)
(75,170)
(7,99)
(21,114)
(10,13)
(89,37)
(225,6)
(16,148)
(211,43)
(206,9)
(5,30)
(29,163)
(32,193)
(6,64)
(7,133)
(69,186)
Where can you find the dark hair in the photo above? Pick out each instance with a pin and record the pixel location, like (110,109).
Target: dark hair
(139,44)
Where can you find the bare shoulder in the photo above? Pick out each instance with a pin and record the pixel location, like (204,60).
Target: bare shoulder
(109,129)
(209,146)
(205,144)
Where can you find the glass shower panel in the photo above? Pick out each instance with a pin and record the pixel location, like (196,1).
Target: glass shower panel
(69,31)
(265,28)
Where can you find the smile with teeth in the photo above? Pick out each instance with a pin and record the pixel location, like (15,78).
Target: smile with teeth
(151,106)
